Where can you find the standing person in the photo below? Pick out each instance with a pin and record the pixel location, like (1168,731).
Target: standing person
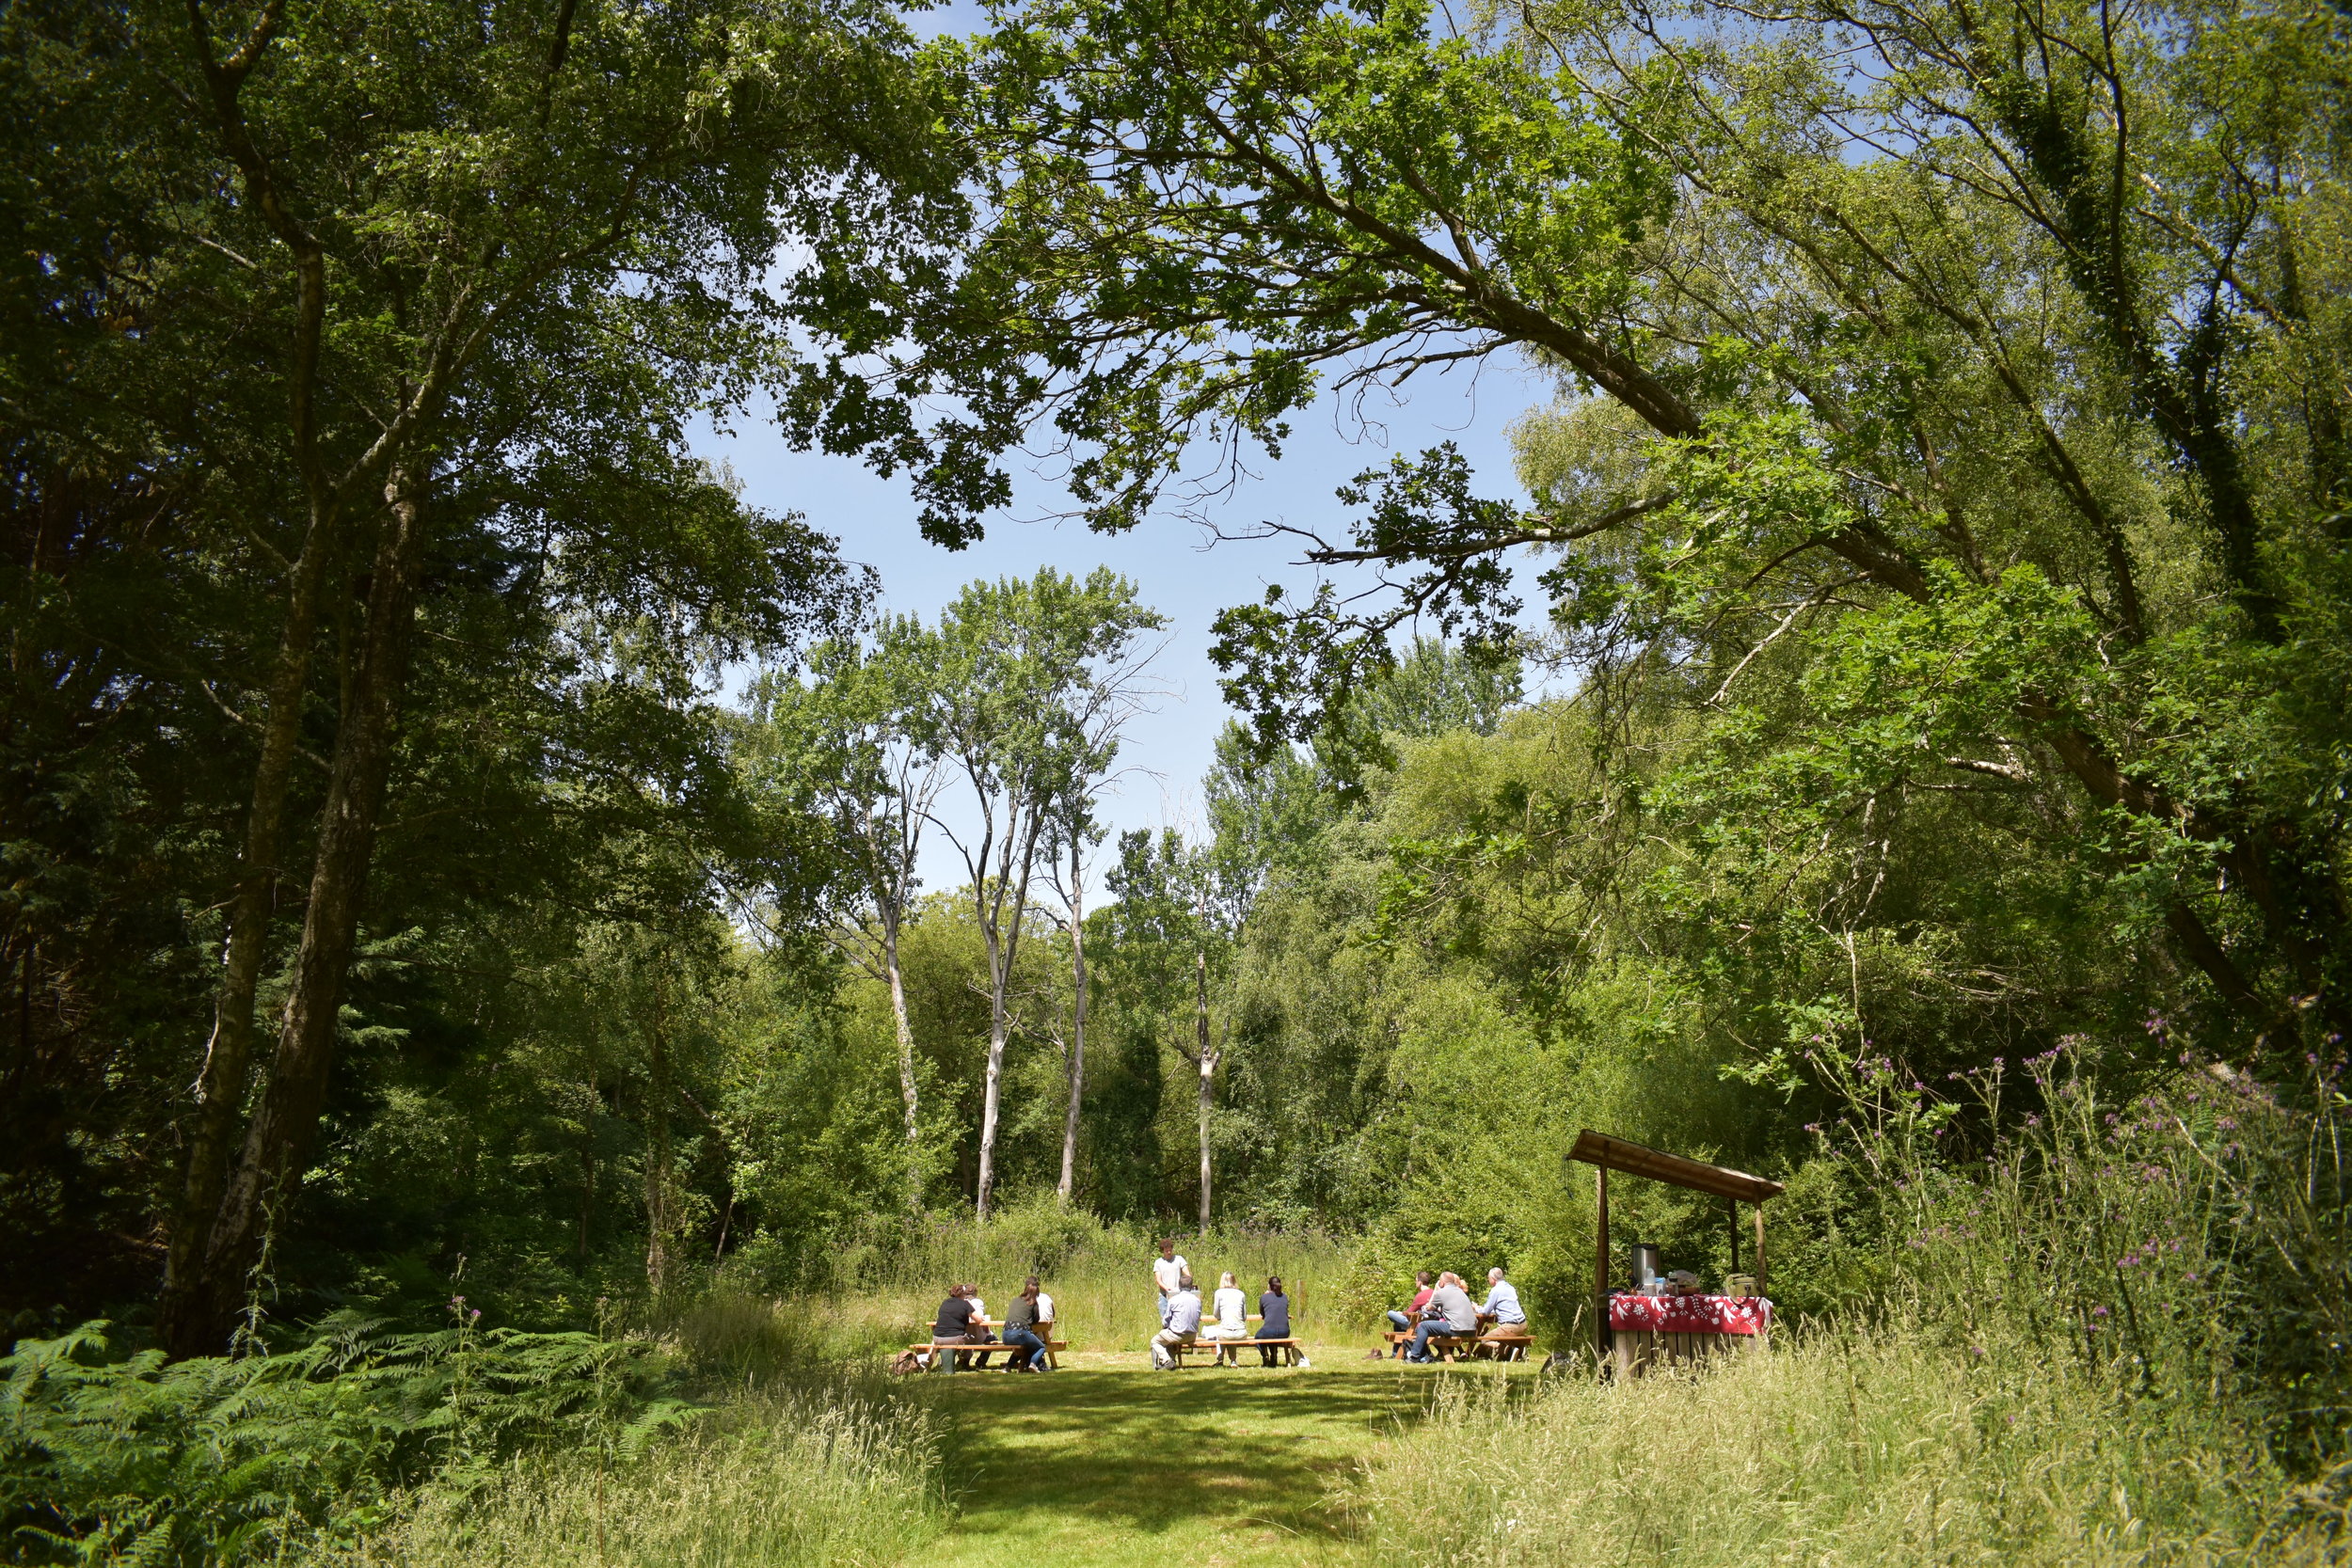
(1274,1320)
(1166,1271)
(1403,1322)
(1451,1314)
(1021,1332)
(951,1326)
(1183,1326)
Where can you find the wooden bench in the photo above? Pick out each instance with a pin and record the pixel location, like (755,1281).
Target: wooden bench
(1044,1331)
(1225,1352)
(1463,1347)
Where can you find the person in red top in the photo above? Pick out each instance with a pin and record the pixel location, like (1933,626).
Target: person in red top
(1403,1322)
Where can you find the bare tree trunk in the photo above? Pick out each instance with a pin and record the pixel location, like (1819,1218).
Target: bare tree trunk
(906,1064)
(657,1165)
(1207,1058)
(221,1088)
(277,1142)
(994,1086)
(588,1164)
(1003,948)
(1077,1027)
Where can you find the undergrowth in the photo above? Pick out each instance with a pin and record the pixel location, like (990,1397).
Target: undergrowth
(109,1457)
(2112,1331)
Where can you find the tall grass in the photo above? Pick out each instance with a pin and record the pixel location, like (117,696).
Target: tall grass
(2105,1322)
(832,1474)
(1826,1450)
(1098,1272)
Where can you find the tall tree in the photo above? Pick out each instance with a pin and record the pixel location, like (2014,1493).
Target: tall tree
(1021,666)
(473,269)
(1111,695)
(1999,328)
(838,737)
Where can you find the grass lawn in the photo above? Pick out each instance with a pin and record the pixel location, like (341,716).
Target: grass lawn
(1107,1462)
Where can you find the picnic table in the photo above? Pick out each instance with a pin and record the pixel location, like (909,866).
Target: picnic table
(930,1348)
(1647,1331)
(1503,1342)
(1221,1350)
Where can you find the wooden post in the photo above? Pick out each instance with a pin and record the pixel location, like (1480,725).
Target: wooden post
(1600,1271)
(1733,1204)
(1760,1279)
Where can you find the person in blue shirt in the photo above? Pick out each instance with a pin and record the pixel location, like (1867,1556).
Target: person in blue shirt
(1501,1302)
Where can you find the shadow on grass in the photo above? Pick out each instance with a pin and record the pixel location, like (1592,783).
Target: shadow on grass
(1147,1453)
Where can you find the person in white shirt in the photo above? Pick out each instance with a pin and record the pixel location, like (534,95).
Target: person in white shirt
(1167,1270)
(1184,1322)
(1044,1307)
(1232,1313)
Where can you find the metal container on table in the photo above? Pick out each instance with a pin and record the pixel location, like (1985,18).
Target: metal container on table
(1643,1266)
(1740,1285)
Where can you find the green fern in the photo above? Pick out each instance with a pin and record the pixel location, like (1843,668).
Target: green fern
(112,1459)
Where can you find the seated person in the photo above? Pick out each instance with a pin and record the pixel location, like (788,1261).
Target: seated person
(1502,1305)
(1451,1314)
(1274,1320)
(980,1335)
(1183,1326)
(1021,1332)
(1232,1309)
(1403,1322)
(951,1326)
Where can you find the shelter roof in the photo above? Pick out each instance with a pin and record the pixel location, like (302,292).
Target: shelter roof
(1639,1160)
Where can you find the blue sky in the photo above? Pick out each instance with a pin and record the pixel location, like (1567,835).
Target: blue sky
(1176,567)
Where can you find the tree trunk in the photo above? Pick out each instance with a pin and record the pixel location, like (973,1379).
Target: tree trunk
(588,1164)
(657,1163)
(1078,1030)
(906,1064)
(996,979)
(201,1310)
(1207,1058)
(220,1087)
(1003,936)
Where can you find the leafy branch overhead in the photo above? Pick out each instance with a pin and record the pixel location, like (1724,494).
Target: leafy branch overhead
(1856,307)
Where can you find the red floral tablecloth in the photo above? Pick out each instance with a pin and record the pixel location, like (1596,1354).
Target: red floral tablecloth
(1690,1314)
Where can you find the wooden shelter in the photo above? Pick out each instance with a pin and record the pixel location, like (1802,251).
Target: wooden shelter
(1734,1186)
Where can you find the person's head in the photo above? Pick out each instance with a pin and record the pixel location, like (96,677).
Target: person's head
(1421,1278)
(1226,1279)
(1274,1285)
(954,1291)
(1183,1281)
(1029,1287)
(1449,1277)
(1167,1246)
(1494,1277)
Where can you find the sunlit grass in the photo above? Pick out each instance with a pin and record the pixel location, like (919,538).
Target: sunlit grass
(1825,1451)
(836,1480)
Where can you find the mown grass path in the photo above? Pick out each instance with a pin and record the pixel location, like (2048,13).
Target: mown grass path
(1109,1463)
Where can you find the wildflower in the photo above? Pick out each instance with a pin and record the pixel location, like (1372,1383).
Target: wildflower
(2098,1311)
(2227,1123)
